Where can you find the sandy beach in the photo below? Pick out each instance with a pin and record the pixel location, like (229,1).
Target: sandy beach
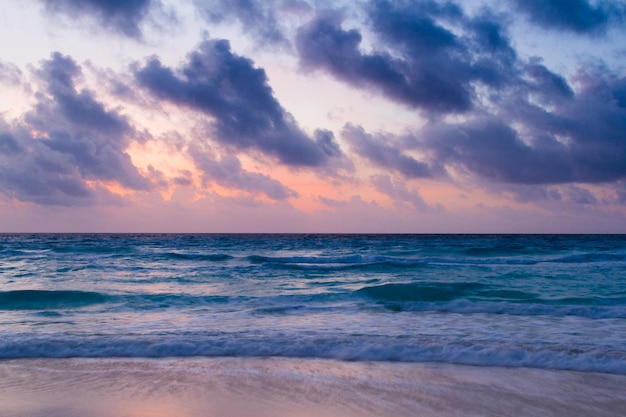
(229,387)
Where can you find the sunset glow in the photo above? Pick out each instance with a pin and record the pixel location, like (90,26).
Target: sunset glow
(303,116)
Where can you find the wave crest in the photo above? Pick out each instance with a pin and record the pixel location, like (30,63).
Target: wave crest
(46,299)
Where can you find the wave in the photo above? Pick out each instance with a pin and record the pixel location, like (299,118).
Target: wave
(590,258)
(461,298)
(379,262)
(419,292)
(470,298)
(45,299)
(349,262)
(382,261)
(338,346)
(167,300)
(211,257)
(500,250)
(513,309)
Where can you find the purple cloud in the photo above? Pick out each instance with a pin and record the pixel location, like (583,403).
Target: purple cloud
(77,139)
(124,16)
(236,95)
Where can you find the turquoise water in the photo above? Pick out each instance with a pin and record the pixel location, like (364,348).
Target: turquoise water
(544,301)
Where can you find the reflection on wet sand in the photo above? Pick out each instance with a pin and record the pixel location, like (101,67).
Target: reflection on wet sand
(200,387)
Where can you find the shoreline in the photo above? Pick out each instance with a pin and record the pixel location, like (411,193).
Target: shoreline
(195,387)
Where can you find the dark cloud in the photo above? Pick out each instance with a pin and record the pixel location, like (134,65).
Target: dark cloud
(495,151)
(582,139)
(325,139)
(620,193)
(543,132)
(419,61)
(528,125)
(228,172)
(548,87)
(580,16)
(237,96)
(414,25)
(80,127)
(383,154)
(124,16)
(68,139)
(79,109)
(580,195)
(184,179)
(9,145)
(324,44)
(31,171)
(256,16)
(588,130)
(531,193)
(397,191)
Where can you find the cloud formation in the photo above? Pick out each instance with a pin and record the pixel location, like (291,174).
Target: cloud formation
(383,154)
(398,192)
(579,138)
(10,74)
(579,16)
(258,17)
(122,16)
(529,125)
(419,61)
(228,172)
(68,139)
(237,97)
(461,101)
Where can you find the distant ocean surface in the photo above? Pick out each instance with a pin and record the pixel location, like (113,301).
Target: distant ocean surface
(542,301)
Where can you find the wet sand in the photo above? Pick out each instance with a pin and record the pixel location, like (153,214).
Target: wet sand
(237,387)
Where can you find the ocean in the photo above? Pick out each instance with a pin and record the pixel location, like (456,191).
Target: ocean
(555,302)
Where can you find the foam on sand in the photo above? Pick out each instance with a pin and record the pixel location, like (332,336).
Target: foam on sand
(204,387)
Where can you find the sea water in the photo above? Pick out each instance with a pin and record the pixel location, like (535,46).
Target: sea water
(536,301)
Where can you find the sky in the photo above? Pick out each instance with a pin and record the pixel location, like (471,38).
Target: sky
(211,116)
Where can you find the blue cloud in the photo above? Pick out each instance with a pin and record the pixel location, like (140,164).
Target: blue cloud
(238,98)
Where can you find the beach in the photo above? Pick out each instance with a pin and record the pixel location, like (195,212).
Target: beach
(240,387)
(312,325)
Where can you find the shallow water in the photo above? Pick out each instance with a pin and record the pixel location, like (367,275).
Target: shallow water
(541,301)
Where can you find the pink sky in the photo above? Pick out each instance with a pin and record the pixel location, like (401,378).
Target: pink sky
(297,116)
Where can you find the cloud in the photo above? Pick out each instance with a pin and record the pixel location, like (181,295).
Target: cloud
(578,139)
(546,86)
(521,124)
(331,202)
(255,16)
(10,74)
(579,16)
(542,132)
(236,95)
(79,109)
(620,193)
(31,171)
(228,172)
(398,192)
(381,153)
(122,16)
(494,150)
(586,130)
(323,44)
(427,56)
(68,139)
(580,195)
